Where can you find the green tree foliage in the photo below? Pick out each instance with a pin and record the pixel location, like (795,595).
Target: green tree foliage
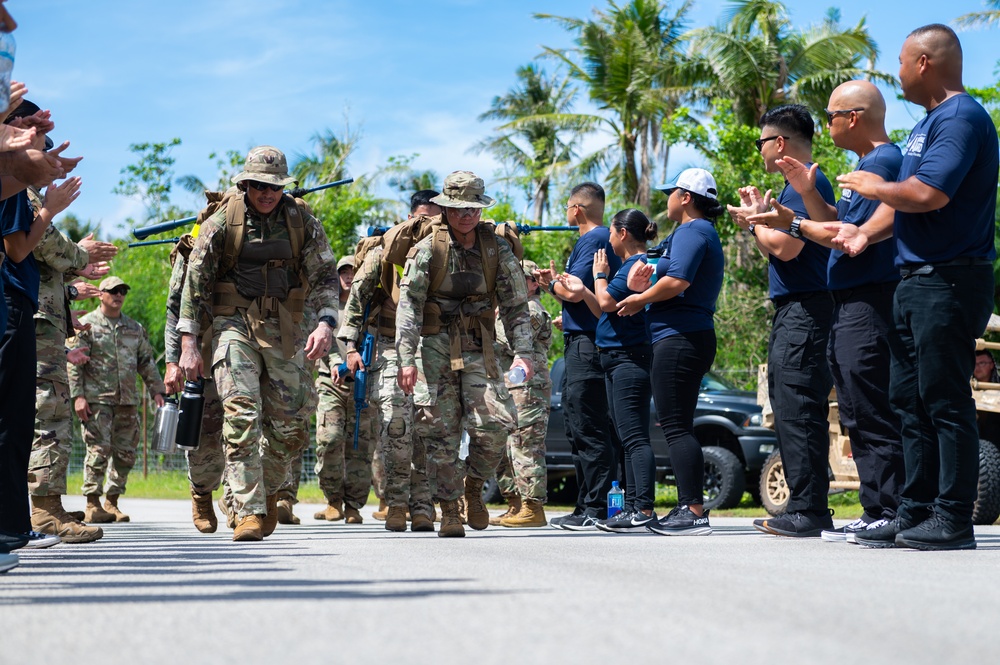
(987,18)
(76,228)
(990,98)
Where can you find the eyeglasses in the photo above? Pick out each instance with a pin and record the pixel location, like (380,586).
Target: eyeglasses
(984,363)
(830,115)
(467,212)
(118,291)
(261,186)
(760,142)
(570,206)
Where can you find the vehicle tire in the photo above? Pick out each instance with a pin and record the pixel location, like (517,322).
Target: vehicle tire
(773,489)
(987,508)
(724,478)
(491,492)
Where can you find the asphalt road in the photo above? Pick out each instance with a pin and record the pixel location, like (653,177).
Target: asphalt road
(156,591)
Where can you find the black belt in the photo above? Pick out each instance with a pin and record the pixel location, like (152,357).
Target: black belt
(911,269)
(843,295)
(798,297)
(591,335)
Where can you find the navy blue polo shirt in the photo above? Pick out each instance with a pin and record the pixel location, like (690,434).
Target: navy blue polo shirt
(875,265)
(577,317)
(953,149)
(616,332)
(807,271)
(693,253)
(16,214)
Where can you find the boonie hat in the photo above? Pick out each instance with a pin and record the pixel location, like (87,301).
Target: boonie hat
(344,262)
(463,189)
(111,282)
(265,163)
(529,268)
(698,181)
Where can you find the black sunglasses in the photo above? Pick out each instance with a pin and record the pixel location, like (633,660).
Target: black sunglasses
(760,142)
(118,291)
(830,115)
(261,186)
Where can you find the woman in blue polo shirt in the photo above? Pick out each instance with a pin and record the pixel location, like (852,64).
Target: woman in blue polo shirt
(681,327)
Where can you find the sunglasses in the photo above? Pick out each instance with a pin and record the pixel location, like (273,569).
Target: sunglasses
(830,115)
(118,291)
(467,212)
(261,186)
(760,142)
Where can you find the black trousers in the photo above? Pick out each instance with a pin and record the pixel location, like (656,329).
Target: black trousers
(938,316)
(17,412)
(586,403)
(799,382)
(859,359)
(626,379)
(679,363)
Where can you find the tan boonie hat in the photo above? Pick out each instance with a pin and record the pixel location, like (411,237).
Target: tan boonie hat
(344,262)
(265,164)
(529,268)
(463,189)
(111,282)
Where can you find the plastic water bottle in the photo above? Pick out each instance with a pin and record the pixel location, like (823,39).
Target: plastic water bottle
(616,499)
(516,376)
(8,47)
(652,258)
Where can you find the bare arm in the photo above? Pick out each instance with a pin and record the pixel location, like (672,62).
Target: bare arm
(910,195)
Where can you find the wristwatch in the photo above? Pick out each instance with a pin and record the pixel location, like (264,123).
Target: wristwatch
(72,292)
(793,229)
(328,320)
(601,275)
(552,287)
(753,230)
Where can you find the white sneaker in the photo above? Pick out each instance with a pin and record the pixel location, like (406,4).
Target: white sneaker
(8,561)
(874,525)
(844,533)
(38,541)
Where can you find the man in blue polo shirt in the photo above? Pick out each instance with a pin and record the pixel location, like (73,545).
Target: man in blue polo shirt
(862,288)
(941,211)
(798,375)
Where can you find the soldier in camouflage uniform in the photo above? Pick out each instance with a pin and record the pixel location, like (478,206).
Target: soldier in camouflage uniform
(444,335)
(521,473)
(57,256)
(257,288)
(206,463)
(106,400)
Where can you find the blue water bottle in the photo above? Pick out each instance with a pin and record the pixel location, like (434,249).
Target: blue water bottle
(616,499)
(652,258)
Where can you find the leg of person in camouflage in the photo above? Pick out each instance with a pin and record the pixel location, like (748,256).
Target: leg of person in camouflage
(358,463)
(378,478)
(288,493)
(206,463)
(505,479)
(528,455)
(124,442)
(331,419)
(97,439)
(421,502)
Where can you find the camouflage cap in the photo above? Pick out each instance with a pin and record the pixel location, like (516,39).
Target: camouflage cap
(346,261)
(463,189)
(265,164)
(529,267)
(111,282)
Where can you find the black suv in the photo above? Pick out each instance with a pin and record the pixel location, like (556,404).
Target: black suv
(727,422)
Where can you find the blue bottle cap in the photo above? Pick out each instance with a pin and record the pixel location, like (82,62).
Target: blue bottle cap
(614,483)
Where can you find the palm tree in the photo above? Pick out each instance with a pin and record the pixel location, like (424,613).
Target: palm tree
(531,143)
(631,62)
(987,18)
(758,60)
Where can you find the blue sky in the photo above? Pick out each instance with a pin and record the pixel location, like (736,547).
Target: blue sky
(414,76)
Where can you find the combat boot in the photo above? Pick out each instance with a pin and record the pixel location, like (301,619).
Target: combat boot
(333,512)
(532,514)
(227,511)
(451,524)
(250,527)
(476,514)
(395,519)
(513,508)
(382,512)
(202,513)
(271,517)
(421,523)
(352,515)
(111,505)
(285,514)
(94,513)
(461,510)
(48,516)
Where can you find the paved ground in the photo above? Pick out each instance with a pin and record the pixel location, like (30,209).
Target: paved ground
(156,591)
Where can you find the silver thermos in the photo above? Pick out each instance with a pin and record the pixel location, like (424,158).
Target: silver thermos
(165,427)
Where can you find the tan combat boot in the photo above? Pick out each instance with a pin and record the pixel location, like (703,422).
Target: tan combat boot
(513,508)
(333,512)
(250,527)
(202,513)
(352,515)
(271,517)
(395,519)
(48,516)
(111,505)
(476,514)
(230,515)
(285,514)
(451,524)
(421,523)
(532,514)
(94,513)
(382,512)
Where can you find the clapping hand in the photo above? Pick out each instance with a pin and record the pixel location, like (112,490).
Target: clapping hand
(640,277)
(601,262)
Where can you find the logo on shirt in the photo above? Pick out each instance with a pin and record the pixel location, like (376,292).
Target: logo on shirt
(846,195)
(915,145)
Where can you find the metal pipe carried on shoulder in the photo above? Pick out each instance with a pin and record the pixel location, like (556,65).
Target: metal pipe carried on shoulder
(522,229)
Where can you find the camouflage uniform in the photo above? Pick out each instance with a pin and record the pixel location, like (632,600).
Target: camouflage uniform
(522,469)
(50,450)
(119,348)
(266,396)
(206,463)
(403,456)
(473,396)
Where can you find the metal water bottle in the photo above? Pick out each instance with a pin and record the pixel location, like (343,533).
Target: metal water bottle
(616,499)
(192,408)
(652,258)
(165,427)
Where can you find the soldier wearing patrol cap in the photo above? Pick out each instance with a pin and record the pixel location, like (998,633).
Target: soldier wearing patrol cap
(254,263)
(105,397)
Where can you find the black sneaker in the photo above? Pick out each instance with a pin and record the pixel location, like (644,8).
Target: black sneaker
(845,534)
(580,523)
(631,522)
(557,522)
(682,522)
(883,536)
(937,533)
(800,525)
(12,541)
